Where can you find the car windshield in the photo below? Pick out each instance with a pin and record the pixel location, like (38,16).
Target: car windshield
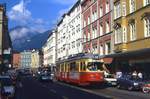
(132,78)
(45,74)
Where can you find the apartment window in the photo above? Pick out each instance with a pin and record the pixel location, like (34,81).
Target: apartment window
(146,2)
(124,35)
(124,9)
(117,10)
(101,29)
(101,11)
(101,50)
(107,27)
(93,17)
(84,37)
(147,27)
(84,23)
(69,46)
(132,31)
(118,35)
(94,34)
(107,48)
(107,7)
(95,50)
(132,5)
(88,20)
(88,36)
(73,44)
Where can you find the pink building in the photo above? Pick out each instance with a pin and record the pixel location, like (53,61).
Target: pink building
(16,60)
(97,27)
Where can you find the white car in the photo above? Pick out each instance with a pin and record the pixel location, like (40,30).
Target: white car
(110,79)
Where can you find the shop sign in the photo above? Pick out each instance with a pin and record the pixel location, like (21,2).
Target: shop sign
(7,51)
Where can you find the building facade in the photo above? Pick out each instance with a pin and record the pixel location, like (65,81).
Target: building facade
(97,26)
(49,50)
(26,59)
(131,33)
(35,59)
(69,34)
(5,41)
(16,60)
(131,25)
(74,36)
(61,37)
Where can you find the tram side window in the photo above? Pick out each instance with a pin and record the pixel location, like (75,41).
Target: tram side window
(82,66)
(94,66)
(66,67)
(59,68)
(73,66)
(62,67)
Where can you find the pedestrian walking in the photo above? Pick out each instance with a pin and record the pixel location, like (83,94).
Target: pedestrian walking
(134,74)
(118,74)
(140,75)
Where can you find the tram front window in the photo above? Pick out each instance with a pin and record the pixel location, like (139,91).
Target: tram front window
(93,66)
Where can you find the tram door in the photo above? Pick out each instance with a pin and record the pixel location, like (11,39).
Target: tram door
(74,70)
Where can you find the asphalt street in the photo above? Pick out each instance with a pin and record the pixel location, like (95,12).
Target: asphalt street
(33,89)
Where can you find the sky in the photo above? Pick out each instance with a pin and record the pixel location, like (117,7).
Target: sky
(39,15)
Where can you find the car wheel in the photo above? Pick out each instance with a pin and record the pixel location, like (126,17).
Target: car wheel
(130,88)
(145,90)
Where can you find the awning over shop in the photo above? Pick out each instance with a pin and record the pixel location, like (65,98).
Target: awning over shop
(108,60)
(131,54)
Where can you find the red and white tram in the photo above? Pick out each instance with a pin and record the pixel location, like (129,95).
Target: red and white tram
(81,69)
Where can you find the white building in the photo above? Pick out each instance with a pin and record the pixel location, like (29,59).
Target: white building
(26,59)
(69,34)
(49,50)
(62,29)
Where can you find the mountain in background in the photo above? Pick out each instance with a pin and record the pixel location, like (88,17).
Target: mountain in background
(23,38)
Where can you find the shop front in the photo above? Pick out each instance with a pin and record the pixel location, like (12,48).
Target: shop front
(130,61)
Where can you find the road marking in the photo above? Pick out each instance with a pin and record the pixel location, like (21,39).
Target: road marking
(64,97)
(52,90)
(86,90)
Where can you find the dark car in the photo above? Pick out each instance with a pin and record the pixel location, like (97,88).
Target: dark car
(6,86)
(45,76)
(129,82)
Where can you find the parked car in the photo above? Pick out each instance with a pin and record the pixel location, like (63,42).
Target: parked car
(129,82)
(6,86)
(110,80)
(146,87)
